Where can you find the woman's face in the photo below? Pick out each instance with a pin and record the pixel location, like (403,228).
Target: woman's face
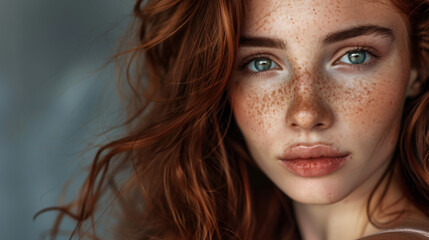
(319,91)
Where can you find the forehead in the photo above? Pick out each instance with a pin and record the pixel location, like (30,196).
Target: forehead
(287,17)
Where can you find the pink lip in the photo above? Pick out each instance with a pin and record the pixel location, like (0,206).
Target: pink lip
(315,160)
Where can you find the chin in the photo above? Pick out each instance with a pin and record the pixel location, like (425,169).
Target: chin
(316,191)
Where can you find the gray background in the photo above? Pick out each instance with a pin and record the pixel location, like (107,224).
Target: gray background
(53,100)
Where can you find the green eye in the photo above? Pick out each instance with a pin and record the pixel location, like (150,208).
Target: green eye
(261,64)
(356,57)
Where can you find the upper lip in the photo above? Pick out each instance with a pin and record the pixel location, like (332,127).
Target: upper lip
(309,151)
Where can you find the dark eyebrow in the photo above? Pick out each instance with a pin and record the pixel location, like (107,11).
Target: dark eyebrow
(250,41)
(358,31)
(262,42)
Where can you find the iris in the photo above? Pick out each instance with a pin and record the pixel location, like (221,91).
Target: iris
(357,57)
(261,64)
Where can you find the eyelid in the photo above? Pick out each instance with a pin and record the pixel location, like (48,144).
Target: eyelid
(246,60)
(373,52)
(243,64)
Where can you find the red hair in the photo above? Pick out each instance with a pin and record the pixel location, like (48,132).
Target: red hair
(191,175)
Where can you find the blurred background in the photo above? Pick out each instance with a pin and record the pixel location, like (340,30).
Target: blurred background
(55,99)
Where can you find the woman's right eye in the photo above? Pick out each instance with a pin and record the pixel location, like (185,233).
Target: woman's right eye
(261,64)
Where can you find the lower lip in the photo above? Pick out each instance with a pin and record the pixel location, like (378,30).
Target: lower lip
(315,167)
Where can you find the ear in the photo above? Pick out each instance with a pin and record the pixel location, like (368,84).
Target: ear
(414,85)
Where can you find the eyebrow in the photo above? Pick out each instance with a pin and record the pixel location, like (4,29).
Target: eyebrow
(358,31)
(341,35)
(262,42)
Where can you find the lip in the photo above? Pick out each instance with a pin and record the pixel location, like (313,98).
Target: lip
(313,160)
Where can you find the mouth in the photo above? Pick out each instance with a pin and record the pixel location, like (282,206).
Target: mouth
(315,160)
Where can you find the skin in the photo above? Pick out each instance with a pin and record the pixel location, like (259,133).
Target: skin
(313,94)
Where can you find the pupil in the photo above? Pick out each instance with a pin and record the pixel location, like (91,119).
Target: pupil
(263,64)
(357,57)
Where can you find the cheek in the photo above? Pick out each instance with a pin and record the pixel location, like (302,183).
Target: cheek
(366,107)
(373,107)
(258,108)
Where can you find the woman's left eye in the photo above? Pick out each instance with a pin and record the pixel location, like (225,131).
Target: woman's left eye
(261,64)
(356,57)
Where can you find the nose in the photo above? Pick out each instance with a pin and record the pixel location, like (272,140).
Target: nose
(308,111)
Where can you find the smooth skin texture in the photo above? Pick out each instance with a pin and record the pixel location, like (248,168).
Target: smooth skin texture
(297,82)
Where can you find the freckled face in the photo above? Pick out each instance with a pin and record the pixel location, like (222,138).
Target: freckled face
(308,85)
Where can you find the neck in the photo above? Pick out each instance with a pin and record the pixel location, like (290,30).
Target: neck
(347,219)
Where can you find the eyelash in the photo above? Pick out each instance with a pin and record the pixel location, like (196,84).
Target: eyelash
(365,49)
(248,60)
(372,52)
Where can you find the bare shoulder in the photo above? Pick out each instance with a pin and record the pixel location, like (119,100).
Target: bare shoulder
(414,228)
(396,236)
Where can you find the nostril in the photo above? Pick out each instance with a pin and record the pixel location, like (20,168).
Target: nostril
(309,113)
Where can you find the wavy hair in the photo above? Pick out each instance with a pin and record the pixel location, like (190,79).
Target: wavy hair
(183,169)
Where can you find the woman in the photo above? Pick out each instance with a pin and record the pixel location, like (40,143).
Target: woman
(271,120)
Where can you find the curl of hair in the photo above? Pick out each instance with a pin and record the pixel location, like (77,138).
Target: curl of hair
(414,138)
(192,176)
(411,159)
